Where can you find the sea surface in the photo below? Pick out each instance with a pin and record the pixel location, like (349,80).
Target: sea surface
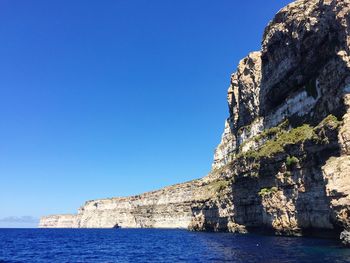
(161,245)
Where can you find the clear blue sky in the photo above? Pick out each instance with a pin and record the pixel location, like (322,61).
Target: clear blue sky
(113,98)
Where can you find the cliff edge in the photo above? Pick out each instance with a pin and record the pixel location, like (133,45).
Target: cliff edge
(283,164)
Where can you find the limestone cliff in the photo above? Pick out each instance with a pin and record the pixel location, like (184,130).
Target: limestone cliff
(283,164)
(169,207)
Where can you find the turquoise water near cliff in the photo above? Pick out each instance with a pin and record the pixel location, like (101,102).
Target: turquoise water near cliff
(160,245)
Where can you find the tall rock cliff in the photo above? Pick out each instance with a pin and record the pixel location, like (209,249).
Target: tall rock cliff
(283,164)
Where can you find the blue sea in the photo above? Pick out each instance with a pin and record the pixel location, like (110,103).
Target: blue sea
(161,245)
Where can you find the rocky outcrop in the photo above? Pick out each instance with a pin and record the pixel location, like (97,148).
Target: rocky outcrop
(283,161)
(243,102)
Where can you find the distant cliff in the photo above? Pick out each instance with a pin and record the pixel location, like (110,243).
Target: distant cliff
(167,208)
(283,164)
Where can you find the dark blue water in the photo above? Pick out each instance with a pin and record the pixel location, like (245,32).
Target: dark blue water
(154,245)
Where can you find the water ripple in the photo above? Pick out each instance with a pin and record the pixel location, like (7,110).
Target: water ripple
(156,245)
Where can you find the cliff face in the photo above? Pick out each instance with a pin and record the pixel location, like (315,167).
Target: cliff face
(283,163)
(285,149)
(169,207)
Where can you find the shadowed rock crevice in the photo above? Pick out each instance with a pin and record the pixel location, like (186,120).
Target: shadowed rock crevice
(295,49)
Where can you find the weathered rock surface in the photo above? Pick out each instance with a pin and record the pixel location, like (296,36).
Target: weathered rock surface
(58,221)
(169,207)
(302,75)
(345,238)
(283,164)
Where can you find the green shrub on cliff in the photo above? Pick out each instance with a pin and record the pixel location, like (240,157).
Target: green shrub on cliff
(221,185)
(294,136)
(267,191)
(330,121)
(283,137)
(267,134)
(278,137)
(216,187)
(273,131)
(291,161)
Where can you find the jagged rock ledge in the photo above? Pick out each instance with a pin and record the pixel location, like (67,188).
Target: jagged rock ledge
(283,163)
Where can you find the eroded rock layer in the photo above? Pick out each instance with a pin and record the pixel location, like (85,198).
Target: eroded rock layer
(170,207)
(283,164)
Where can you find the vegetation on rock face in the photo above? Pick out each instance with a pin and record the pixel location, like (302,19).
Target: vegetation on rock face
(291,161)
(273,146)
(268,133)
(287,174)
(222,169)
(324,127)
(221,185)
(247,128)
(330,121)
(267,191)
(217,187)
(294,136)
(283,126)
(281,137)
